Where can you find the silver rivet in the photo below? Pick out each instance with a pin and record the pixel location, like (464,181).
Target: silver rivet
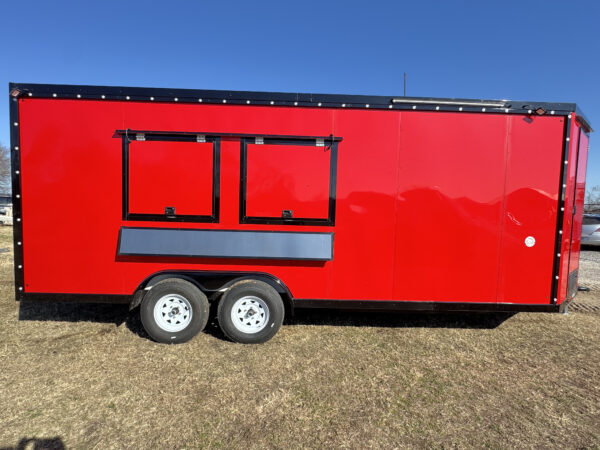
(564,185)
(128,97)
(17,172)
(556,277)
(558,254)
(460,109)
(343,105)
(53,95)
(437,108)
(152,98)
(555,299)
(18,196)
(78,95)
(414,106)
(319,104)
(529,111)
(176,99)
(552,112)
(103,96)
(224,101)
(569,116)
(19,219)
(295,103)
(19,243)
(200,100)
(559,231)
(247,102)
(367,105)
(562,209)
(20,288)
(272,102)
(16,124)
(483,109)
(17,148)
(506,110)
(566,162)
(568,139)
(30,94)
(391,106)
(20,266)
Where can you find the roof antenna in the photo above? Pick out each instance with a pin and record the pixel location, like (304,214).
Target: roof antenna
(405,84)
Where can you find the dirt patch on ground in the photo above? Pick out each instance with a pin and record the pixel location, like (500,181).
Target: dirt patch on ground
(86,376)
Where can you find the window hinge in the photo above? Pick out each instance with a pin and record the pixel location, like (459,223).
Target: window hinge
(200,138)
(140,137)
(259,140)
(320,142)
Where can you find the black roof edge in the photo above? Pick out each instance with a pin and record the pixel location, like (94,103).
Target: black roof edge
(301,99)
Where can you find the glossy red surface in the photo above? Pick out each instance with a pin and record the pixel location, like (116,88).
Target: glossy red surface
(431,206)
(581,143)
(175,174)
(287,177)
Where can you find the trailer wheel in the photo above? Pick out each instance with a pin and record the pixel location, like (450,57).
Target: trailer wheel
(174,311)
(250,312)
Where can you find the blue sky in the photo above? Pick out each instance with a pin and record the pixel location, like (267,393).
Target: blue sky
(528,50)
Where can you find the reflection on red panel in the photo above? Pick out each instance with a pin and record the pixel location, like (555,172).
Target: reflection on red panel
(287,177)
(170,174)
(530,208)
(450,188)
(579,200)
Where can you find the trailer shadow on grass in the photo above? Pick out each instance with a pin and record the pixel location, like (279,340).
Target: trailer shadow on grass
(119,314)
(398,319)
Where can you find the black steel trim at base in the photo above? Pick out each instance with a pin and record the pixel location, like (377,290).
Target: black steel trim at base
(145,94)
(393,305)
(75,298)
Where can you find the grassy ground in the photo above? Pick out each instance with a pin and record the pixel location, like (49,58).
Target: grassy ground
(86,376)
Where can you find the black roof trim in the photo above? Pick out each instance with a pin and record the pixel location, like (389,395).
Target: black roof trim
(292,99)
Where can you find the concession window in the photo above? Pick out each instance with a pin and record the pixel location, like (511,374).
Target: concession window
(170,177)
(289,181)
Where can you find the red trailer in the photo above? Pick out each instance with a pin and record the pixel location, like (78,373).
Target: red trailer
(173,199)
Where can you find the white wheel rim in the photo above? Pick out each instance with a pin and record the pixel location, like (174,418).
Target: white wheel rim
(172,313)
(250,314)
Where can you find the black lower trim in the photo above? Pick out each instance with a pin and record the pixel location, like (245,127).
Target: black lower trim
(379,305)
(75,298)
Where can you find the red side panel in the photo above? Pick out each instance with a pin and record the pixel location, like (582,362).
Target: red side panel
(579,202)
(451,183)
(427,203)
(529,209)
(288,177)
(569,207)
(170,174)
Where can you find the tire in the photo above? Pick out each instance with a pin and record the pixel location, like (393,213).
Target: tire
(164,307)
(255,297)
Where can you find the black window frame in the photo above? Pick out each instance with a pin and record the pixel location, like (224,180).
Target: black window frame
(330,143)
(132,136)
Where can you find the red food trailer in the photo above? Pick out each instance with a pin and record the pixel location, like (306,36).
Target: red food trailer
(172,199)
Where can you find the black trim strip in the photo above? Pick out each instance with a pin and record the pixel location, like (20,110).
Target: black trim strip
(560,213)
(235,244)
(331,142)
(126,137)
(86,92)
(15,153)
(378,305)
(80,298)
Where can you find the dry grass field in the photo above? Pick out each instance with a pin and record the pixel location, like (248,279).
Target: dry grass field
(86,376)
